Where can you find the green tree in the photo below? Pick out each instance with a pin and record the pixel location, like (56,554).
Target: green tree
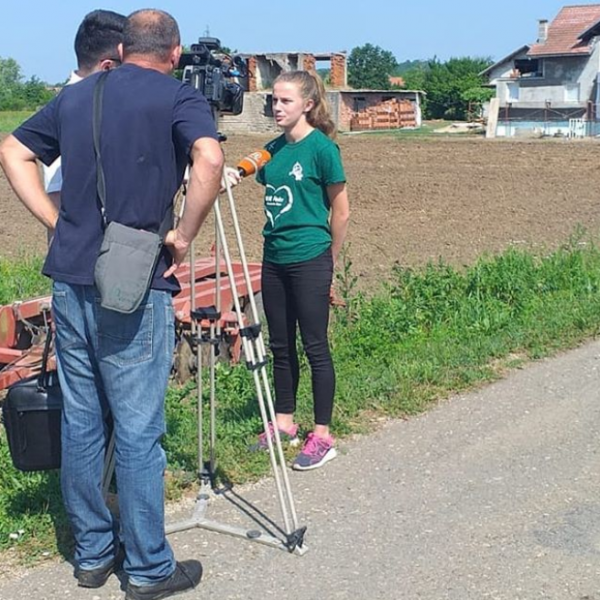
(325,75)
(10,72)
(10,80)
(370,67)
(16,94)
(35,93)
(415,76)
(409,65)
(475,98)
(451,85)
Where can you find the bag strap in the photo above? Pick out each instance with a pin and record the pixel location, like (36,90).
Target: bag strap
(96,122)
(43,379)
(167,222)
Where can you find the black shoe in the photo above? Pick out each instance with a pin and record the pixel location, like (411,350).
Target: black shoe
(95,578)
(186,576)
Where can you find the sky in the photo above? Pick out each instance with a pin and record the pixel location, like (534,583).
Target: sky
(39,34)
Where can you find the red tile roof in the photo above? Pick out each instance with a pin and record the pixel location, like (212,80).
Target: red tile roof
(564,31)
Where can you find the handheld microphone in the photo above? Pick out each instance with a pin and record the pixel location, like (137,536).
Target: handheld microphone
(253,162)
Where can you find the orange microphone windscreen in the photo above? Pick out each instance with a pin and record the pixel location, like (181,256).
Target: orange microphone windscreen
(253,162)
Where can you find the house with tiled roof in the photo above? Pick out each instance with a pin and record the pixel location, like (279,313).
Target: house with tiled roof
(550,86)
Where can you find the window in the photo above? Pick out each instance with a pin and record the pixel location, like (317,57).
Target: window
(269,105)
(360,103)
(512,92)
(529,67)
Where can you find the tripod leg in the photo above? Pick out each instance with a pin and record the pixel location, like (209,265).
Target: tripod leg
(215,331)
(199,407)
(109,464)
(215,336)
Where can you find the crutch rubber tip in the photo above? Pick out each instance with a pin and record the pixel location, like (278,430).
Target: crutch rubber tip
(253,534)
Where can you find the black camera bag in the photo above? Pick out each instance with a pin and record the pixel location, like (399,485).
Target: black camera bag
(31,413)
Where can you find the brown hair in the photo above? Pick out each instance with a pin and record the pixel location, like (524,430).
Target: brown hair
(311,88)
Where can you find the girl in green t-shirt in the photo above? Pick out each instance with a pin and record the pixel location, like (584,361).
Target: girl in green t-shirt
(307,212)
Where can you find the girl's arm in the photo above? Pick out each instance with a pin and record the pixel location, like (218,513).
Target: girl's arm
(340,215)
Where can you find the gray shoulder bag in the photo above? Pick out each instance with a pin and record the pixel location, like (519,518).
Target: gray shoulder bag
(128,256)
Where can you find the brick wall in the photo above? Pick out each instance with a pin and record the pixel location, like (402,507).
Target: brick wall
(346,111)
(337,78)
(309,63)
(378,111)
(252,67)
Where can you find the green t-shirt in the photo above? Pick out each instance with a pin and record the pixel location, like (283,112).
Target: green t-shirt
(296,202)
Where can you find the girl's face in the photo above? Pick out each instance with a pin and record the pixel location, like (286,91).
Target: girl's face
(289,107)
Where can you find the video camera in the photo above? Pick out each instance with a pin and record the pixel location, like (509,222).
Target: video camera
(207,68)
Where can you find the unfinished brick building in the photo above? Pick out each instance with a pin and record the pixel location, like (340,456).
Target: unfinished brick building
(351,109)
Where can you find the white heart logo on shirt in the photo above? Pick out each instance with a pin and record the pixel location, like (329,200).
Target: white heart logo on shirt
(278,201)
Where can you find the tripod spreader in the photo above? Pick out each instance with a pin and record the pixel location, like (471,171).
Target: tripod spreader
(251,332)
(206,313)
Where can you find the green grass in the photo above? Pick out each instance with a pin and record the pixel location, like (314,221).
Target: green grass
(11,119)
(427,130)
(21,278)
(426,334)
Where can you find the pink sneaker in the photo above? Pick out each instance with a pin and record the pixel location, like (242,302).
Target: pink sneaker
(315,453)
(287,437)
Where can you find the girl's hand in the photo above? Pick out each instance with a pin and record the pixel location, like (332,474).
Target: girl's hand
(230,175)
(334,299)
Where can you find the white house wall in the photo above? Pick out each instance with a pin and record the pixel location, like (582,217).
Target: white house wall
(559,73)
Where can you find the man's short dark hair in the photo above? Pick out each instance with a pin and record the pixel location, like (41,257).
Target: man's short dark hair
(98,37)
(150,32)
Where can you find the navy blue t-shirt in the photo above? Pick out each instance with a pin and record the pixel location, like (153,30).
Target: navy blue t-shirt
(149,124)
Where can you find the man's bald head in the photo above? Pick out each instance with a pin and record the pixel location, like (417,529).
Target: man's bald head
(150,33)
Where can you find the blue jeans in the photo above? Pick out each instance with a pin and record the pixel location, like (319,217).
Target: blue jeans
(111,361)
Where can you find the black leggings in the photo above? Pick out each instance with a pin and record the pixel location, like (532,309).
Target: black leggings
(298,294)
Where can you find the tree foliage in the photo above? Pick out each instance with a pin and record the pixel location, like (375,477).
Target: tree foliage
(17,94)
(409,65)
(451,87)
(370,67)
(415,77)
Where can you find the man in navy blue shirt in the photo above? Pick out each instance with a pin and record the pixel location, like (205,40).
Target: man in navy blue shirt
(152,126)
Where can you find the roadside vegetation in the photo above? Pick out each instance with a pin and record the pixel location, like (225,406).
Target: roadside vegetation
(17,93)
(22,278)
(11,119)
(425,334)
